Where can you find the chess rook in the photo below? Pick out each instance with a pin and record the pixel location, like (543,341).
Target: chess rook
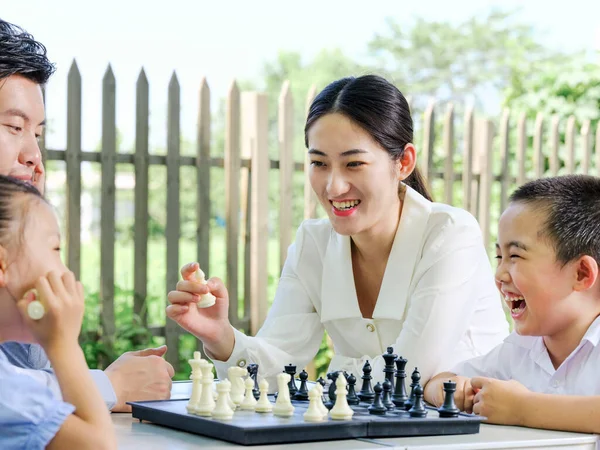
(291,370)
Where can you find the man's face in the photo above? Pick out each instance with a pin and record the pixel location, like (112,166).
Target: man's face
(21,122)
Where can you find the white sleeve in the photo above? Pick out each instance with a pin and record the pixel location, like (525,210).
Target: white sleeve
(444,299)
(494,364)
(292,331)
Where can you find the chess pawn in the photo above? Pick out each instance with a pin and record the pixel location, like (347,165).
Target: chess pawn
(314,412)
(283,405)
(449,409)
(263,405)
(377,407)
(352,397)
(249,402)
(320,403)
(400,396)
(418,409)
(223,410)
(196,377)
(290,369)
(415,377)
(366,393)
(341,410)
(236,374)
(302,393)
(207,400)
(206,300)
(387,396)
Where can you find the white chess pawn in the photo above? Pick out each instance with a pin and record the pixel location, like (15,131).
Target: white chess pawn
(341,410)
(207,400)
(222,409)
(235,375)
(283,404)
(249,402)
(206,300)
(196,378)
(314,412)
(320,403)
(263,405)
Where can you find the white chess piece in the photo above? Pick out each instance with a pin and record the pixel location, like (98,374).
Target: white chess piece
(263,405)
(222,409)
(196,378)
(235,375)
(35,310)
(207,400)
(249,402)
(314,412)
(283,404)
(207,300)
(341,410)
(320,403)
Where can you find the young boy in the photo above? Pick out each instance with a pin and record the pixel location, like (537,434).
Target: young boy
(544,375)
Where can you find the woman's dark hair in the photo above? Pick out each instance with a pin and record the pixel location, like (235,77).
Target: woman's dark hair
(379,108)
(21,54)
(10,188)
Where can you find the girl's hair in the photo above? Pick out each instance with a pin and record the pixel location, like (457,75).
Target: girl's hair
(379,108)
(10,189)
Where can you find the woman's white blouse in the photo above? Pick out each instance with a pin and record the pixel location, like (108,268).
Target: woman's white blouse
(437,306)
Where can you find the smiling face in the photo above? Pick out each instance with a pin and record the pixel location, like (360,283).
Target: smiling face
(540,291)
(354,178)
(30,249)
(21,123)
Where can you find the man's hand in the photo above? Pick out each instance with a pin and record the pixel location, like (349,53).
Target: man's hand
(141,375)
(463,397)
(499,401)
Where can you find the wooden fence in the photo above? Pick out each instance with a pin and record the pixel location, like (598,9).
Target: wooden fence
(246,164)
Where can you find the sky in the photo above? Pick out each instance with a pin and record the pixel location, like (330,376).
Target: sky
(228,40)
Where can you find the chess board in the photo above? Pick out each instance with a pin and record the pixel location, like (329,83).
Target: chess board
(252,428)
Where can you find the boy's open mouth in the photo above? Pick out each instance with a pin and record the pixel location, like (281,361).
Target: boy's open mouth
(517,305)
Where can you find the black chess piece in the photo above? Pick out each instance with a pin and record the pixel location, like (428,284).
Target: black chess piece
(377,407)
(415,377)
(449,409)
(333,376)
(352,397)
(253,373)
(389,370)
(400,396)
(418,409)
(291,370)
(387,396)
(322,382)
(302,393)
(366,393)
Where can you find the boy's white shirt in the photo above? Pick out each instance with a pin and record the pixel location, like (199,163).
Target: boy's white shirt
(437,305)
(526,360)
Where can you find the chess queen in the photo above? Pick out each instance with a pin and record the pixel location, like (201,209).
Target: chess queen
(387,267)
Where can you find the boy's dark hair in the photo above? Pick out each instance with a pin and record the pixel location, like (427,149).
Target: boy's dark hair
(21,54)
(572,207)
(10,188)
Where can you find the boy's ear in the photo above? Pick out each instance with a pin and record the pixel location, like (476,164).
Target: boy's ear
(3,266)
(586,272)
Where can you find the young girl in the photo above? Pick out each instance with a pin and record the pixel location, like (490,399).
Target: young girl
(389,267)
(32,275)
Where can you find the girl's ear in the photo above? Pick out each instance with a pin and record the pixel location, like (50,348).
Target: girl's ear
(3,266)
(406,164)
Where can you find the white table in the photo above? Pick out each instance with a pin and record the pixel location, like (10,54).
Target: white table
(132,434)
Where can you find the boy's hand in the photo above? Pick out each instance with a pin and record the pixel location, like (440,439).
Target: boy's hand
(63,301)
(499,401)
(463,397)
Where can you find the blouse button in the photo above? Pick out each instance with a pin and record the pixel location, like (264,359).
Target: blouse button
(370,327)
(241,363)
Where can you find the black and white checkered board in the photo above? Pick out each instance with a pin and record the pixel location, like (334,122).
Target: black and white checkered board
(251,428)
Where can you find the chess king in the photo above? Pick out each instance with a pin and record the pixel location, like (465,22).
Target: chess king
(387,267)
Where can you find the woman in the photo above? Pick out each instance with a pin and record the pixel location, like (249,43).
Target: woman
(387,268)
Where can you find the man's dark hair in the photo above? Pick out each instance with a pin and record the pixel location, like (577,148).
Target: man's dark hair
(571,204)
(21,54)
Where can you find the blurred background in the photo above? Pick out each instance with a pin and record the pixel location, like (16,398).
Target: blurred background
(528,69)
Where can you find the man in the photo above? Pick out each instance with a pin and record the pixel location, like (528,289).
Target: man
(24,68)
